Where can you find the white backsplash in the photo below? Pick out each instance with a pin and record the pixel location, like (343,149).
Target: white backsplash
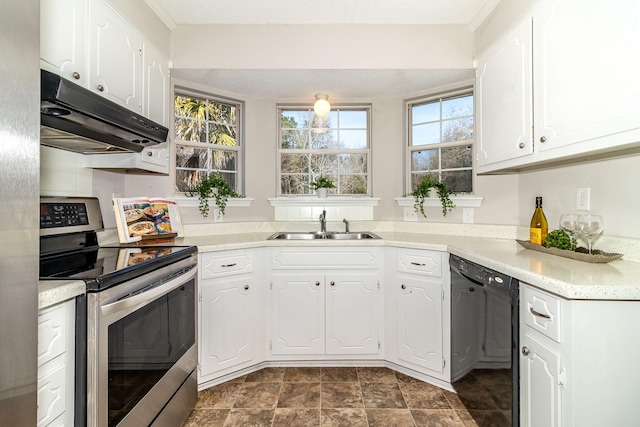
(62,174)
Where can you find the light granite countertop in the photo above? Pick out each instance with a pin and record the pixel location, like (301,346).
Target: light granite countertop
(572,279)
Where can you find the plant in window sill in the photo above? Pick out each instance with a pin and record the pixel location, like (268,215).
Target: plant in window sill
(421,192)
(322,182)
(214,186)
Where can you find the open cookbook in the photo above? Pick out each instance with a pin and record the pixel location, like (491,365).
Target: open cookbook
(142,218)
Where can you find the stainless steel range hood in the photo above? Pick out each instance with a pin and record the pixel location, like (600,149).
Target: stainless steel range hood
(74,118)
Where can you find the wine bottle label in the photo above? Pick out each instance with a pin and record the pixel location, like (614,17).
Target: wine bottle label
(535,236)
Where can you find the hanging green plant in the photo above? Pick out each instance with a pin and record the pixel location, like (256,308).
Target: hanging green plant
(214,186)
(421,192)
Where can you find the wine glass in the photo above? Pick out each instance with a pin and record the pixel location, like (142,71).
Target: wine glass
(590,226)
(569,224)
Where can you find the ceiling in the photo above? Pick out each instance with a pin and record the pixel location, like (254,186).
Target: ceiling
(276,83)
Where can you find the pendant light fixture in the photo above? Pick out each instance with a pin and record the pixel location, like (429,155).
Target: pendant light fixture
(322,106)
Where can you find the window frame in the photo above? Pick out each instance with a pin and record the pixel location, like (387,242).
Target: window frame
(238,149)
(367,108)
(442,95)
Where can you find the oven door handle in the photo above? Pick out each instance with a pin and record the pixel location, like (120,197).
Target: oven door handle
(144,297)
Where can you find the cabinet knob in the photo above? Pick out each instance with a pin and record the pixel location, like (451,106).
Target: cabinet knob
(472,289)
(521,145)
(101,88)
(246,287)
(525,351)
(543,139)
(333,283)
(403,286)
(149,153)
(317,283)
(76,75)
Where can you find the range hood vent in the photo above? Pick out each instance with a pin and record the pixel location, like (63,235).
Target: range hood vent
(74,118)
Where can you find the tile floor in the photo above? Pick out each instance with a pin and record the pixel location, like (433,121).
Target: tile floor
(352,397)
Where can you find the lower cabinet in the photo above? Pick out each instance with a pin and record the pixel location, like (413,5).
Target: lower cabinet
(56,365)
(229,314)
(315,314)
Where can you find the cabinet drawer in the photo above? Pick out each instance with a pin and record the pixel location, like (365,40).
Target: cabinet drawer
(541,311)
(339,258)
(216,264)
(52,394)
(426,263)
(52,330)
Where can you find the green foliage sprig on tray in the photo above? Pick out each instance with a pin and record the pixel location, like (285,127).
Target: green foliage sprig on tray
(321,182)
(421,192)
(560,239)
(214,186)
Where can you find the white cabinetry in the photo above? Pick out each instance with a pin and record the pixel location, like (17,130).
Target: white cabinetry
(230,313)
(56,361)
(578,361)
(420,291)
(318,308)
(62,38)
(565,72)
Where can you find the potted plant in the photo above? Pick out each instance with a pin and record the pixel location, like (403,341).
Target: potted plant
(322,184)
(213,186)
(429,184)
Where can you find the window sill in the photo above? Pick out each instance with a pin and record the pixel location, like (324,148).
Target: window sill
(459,201)
(309,208)
(193,202)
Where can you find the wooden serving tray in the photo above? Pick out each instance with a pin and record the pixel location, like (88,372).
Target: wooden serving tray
(603,257)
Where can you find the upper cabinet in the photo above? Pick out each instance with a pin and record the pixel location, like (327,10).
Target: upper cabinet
(561,84)
(89,43)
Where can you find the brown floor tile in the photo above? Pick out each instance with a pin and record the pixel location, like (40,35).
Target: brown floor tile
(475,396)
(289,417)
(266,375)
(302,374)
(340,375)
(218,397)
(424,396)
(466,418)
(258,395)
(249,417)
(299,395)
(490,418)
(207,417)
(382,395)
(341,395)
(436,418)
(390,417)
(402,378)
(453,399)
(343,417)
(376,375)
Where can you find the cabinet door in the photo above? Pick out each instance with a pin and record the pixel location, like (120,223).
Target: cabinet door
(504,98)
(156,85)
(539,388)
(62,30)
(586,76)
(226,331)
(297,319)
(115,58)
(466,310)
(352,313)
(420,322)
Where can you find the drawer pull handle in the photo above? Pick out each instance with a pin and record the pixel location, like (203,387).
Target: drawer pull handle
(101,88)
(228,265)
(525,351)
(403,286)
(246,287)
(333,283)
(317,283)
(76,75)
(418,264)
(538,314)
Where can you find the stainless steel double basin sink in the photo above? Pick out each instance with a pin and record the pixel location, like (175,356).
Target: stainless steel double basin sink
(317,235)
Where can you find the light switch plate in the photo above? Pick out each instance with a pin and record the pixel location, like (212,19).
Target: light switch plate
(467,215)
(583,199)
(410,214)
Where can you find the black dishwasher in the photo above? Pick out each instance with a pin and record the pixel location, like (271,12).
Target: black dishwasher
(485,326)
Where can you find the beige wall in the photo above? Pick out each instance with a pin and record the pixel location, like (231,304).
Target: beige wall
(499,20)
(147,22)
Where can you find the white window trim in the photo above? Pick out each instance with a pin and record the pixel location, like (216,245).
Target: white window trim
(461,201)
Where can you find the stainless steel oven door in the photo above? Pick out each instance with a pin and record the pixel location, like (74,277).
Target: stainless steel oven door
(141,345)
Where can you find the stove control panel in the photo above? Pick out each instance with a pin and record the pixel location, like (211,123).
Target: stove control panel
(62,215)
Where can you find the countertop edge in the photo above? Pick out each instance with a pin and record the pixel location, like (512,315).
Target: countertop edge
(52,292)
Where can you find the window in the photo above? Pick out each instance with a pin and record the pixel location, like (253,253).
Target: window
(441,140)
(208,139)
(335,146)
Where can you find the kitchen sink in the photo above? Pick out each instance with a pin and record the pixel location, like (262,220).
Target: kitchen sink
(316,235)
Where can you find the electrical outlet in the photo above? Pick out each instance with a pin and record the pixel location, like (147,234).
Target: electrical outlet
(467,215)
(583,199)
(217,215)
(410,214)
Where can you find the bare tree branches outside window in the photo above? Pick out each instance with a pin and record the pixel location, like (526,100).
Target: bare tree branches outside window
(335,146)
(207,140)
(441,140)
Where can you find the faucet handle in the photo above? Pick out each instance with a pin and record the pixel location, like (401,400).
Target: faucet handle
(346,225)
